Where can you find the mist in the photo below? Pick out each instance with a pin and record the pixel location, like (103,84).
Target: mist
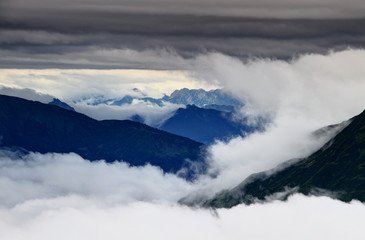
(62,196)
(26,93)
(37,176)
(76,217)
(152,114)
(298,97)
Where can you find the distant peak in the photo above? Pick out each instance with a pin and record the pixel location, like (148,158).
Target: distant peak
(59,103)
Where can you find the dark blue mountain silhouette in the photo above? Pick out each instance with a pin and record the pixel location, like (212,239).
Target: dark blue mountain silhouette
(205,125)
(46,128)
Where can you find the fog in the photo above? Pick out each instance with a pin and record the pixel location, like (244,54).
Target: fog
(36,176)
(299,97)
(59,196)
(76,217)
(26,93)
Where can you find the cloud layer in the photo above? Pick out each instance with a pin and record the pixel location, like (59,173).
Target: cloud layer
(245,8)
(63,196)
(162,34)
(37,176)
(75,217)
(74,84)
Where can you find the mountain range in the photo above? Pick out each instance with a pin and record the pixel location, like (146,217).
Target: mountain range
(336,170)
(208,115)
(201,98)
(209,99)
(43,128)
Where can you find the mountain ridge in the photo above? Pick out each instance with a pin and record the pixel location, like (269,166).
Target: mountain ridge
(206,125)
(337,168)
(199,97)
(46,128)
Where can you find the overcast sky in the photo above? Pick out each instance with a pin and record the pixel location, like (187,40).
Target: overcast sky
(143,34)
(301,62)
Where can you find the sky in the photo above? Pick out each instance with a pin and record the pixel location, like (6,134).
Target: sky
(300,63)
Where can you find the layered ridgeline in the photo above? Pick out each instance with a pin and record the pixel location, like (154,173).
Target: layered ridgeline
(206,125)
(46,128)
(215,119)
(208,115)
(337,169)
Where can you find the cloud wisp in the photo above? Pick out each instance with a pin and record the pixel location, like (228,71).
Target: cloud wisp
(152,114)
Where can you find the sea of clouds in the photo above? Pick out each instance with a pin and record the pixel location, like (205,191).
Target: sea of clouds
(63,196)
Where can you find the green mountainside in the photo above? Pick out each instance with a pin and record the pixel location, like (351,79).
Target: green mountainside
(338,169)
(46,128)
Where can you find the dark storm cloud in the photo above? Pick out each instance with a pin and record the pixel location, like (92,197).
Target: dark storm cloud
(74,34)
(241,8)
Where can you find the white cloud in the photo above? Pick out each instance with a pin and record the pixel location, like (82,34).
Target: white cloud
(77,217)
(72,84)
(300,97)
(37,176)
(26,93)
(152,114)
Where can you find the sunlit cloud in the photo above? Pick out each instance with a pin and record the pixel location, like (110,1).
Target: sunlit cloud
(73,84)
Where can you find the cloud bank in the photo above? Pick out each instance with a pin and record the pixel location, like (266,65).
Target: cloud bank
(76,84)
(37,176)
(245,8)
(299,97)
(163,34)
(62,196)
(76,217)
